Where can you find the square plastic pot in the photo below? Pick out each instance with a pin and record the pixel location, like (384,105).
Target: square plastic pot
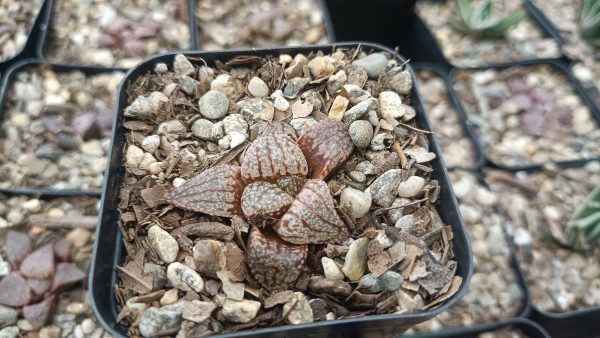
(109,251)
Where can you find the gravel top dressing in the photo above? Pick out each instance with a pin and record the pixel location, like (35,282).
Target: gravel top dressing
(277,190)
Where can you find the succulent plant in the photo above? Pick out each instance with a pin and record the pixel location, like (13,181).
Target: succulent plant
(479,22)
(584,227)
(589,22)
(279,187)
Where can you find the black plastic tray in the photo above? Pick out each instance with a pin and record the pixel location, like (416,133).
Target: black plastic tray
(329,30)
(557,64)
(388,22)
(5,87)
(580,323)
(28,50)
(468,132)
(543,21)
(108,249)
(44,39)
(527,327)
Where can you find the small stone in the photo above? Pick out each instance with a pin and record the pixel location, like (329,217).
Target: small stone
(319,285)
(357,176)
(225,142)
(361,133)
(178,182)
(338,108)
(389,280)
(240,311)
(161,68)
(374,64)
(151,143)
(134,156)
(401,82)
(184,278)
(356,201)
(300,124)
(330,316)
(209,257)
(298,309)
(281,104)
(322,66)
(77,308)
(170,297)
(142,108)
(235,123)
(359,110)
(384,188)
(336,81)
(217,132)
(257,87)
(225,84)
(158,322)
(409,113)
(331,269)
(24,325)
(164,244)
(79,237)
(197,311)
(187,84)
(390,105)
(88,326)
(356,94)
(236,139)
(8,315)
(182,65)
(202,129)
(33,205)
(5,268)
(50,331)
(231,289)
(294,86)
(213,104)
(355,261)
(405,222)
(173,127)
(411,187)
(9,332)
(420,154)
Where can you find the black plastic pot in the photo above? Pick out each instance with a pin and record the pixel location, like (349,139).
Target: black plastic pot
(329,30)
(109,251)
(37,27)
(25,65)
(581,323)
(524,326)
(391,23)
(468,132)
(44,40)
(557,64)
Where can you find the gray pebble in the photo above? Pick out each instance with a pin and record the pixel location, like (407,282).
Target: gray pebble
(359,110)
(240,311)
(298,309)
(163,243)
(374,64)
(187,84)
(213,104)
(355,261)
(401,82)
(217,132)
(160,321)
(182,65)
(151,143)
(184,278)
(9,332)
(357,176)
(257,87)
(361,133)
(384,188)
(235,123)
(300,124)
(378,142)
(8,315)
(202,129)
(173,127)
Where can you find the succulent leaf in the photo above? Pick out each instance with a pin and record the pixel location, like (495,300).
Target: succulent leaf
(312,219)
(584,227)
(273,155)
(264,199)
(326,146)
(589,22)
(479,22)
(274,263)
(215,191)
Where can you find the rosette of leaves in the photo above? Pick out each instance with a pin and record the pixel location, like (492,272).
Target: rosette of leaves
(479,22)
(589,22)
(280,190)
(584,226)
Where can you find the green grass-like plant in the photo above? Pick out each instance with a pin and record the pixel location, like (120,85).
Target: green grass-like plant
(479,22)
(589,22)
(584,227)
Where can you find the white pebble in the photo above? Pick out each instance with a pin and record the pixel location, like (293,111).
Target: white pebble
(357,202)
(151,143)
(331,269)
(411,186)
(257,87)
